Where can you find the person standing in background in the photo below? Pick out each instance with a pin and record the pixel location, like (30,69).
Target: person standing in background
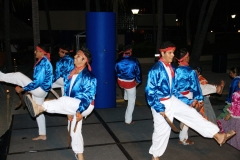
(128,74)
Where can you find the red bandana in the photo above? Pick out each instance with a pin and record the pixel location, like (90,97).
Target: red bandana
(75,71)
(181,61)
(167,49)
(45,53)
(168,65)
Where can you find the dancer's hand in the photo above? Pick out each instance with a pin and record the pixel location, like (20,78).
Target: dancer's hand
(200,104)
(70,117)
(19,89)
(79,116)
(193,103)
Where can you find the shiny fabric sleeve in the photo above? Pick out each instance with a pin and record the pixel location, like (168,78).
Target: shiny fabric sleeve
(157,87)
(178,95)
(138,77)
(42,76)
(128,68)
(84,89)
(181,97)
(233,87)
(88,93)
(195,86)
(153,91)
(186,80)
(63,67)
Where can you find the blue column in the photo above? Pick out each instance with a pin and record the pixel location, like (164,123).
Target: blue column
(101,41)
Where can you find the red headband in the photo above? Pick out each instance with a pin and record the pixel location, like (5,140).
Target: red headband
(167,49)
(44,52)
(180,60)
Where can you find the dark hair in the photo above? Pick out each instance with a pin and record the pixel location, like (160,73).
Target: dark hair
(181,53)
(127,47)
(44,47)
(235,70)
(198,69)
(66,47)
(167,44)
(87,53)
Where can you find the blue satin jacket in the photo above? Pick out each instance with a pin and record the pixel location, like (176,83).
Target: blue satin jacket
(233,88)
(42,76)
(63,67)
(158,87)
(84,88)
(128,68)
(186,79)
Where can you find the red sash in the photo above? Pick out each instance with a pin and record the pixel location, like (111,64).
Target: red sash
(185,92)
(164,99)
(126,85)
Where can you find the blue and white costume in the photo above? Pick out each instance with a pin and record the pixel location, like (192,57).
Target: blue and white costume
(233,88)
(187,83)
(163,97)
(79,96)
(38,87)
(129,75)
(63,68)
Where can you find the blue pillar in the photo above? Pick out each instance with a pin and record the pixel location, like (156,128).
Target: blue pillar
(101,41)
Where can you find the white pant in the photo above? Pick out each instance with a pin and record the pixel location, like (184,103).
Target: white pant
(59,83)
(68,106)
(184,113)
(183,134)
(130,95)
(208,89)
(38,94)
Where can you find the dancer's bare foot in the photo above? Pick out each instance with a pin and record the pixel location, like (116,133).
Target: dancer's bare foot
(220,87)
(221,138)
(40,137)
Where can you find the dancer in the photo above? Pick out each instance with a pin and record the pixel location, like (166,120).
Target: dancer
(63,67)
(39,87)
(163,99)
(129,76)
(78,99)
(186,82)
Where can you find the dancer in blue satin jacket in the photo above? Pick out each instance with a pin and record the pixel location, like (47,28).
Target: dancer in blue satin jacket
(163,98)
(38,87)
(63,67)
(187,83)
(42,76)
(128,77)
(161,88)
(77,101)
